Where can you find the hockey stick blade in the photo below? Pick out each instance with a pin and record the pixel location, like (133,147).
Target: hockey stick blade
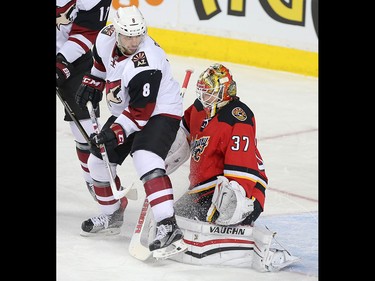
(132,193)
(136,248)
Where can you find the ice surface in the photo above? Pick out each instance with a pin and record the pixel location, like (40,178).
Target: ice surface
(286,111)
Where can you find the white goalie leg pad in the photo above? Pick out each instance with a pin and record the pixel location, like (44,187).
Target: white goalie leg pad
(267,258)
(211,244)
(230,200)
(179,152)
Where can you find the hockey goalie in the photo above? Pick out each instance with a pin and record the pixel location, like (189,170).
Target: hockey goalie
(227,180)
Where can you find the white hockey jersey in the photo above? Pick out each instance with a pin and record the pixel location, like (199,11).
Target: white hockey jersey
(77,25)
(138,86)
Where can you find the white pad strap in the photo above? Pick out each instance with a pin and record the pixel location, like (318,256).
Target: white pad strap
(230,200)
(179,152)
(266,258)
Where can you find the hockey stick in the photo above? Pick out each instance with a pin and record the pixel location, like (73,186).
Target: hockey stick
(188,73)
(136,248)
(118,194)
(132,193)
(73,116)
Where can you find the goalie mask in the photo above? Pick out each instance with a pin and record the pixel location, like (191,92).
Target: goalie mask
(130,28)
(215,88)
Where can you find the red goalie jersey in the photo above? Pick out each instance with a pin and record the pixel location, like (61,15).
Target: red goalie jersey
(225,145)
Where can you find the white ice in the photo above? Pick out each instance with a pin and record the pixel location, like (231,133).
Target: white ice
(286,111)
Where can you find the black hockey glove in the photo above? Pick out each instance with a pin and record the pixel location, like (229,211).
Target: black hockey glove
(63,69)
(112,136)
(91,89)
(250,219)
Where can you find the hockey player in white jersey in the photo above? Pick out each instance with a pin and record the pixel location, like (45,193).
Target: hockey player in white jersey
(146,108)
(77,24)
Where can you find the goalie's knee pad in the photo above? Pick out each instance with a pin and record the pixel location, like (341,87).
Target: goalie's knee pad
(179,152)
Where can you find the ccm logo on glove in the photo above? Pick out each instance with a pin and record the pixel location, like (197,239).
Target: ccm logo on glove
(87,80)
(119,132)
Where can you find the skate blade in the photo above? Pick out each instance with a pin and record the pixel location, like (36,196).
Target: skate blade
(105,232)
(175,248)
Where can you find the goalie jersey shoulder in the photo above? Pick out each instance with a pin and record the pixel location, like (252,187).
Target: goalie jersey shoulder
(232,113)
(236,112)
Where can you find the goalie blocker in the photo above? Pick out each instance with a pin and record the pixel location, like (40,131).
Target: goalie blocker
(237,246)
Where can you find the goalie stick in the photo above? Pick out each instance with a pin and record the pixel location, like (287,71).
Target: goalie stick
(136,248)
(118,194)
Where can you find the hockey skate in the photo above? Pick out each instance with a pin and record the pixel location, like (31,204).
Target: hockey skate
(168,240)
(278,259)
(103,224)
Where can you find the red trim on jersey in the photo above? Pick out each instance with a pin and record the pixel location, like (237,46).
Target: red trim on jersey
(87,33)
(142,113)
(80,43)
(99,66)
(178,117)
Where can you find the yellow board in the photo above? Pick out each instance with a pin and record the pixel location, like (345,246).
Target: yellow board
(236,51)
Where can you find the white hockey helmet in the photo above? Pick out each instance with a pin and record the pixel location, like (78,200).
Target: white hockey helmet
(129,21)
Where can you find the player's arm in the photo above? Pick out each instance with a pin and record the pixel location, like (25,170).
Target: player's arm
(93,83)
(89,21)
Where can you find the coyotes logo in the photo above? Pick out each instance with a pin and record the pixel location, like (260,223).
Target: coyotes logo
(140,59)
(63,14)
(112,90)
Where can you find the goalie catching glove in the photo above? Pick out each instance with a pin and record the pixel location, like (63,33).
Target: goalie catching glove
(112,136)
(91,89)
(229,203)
